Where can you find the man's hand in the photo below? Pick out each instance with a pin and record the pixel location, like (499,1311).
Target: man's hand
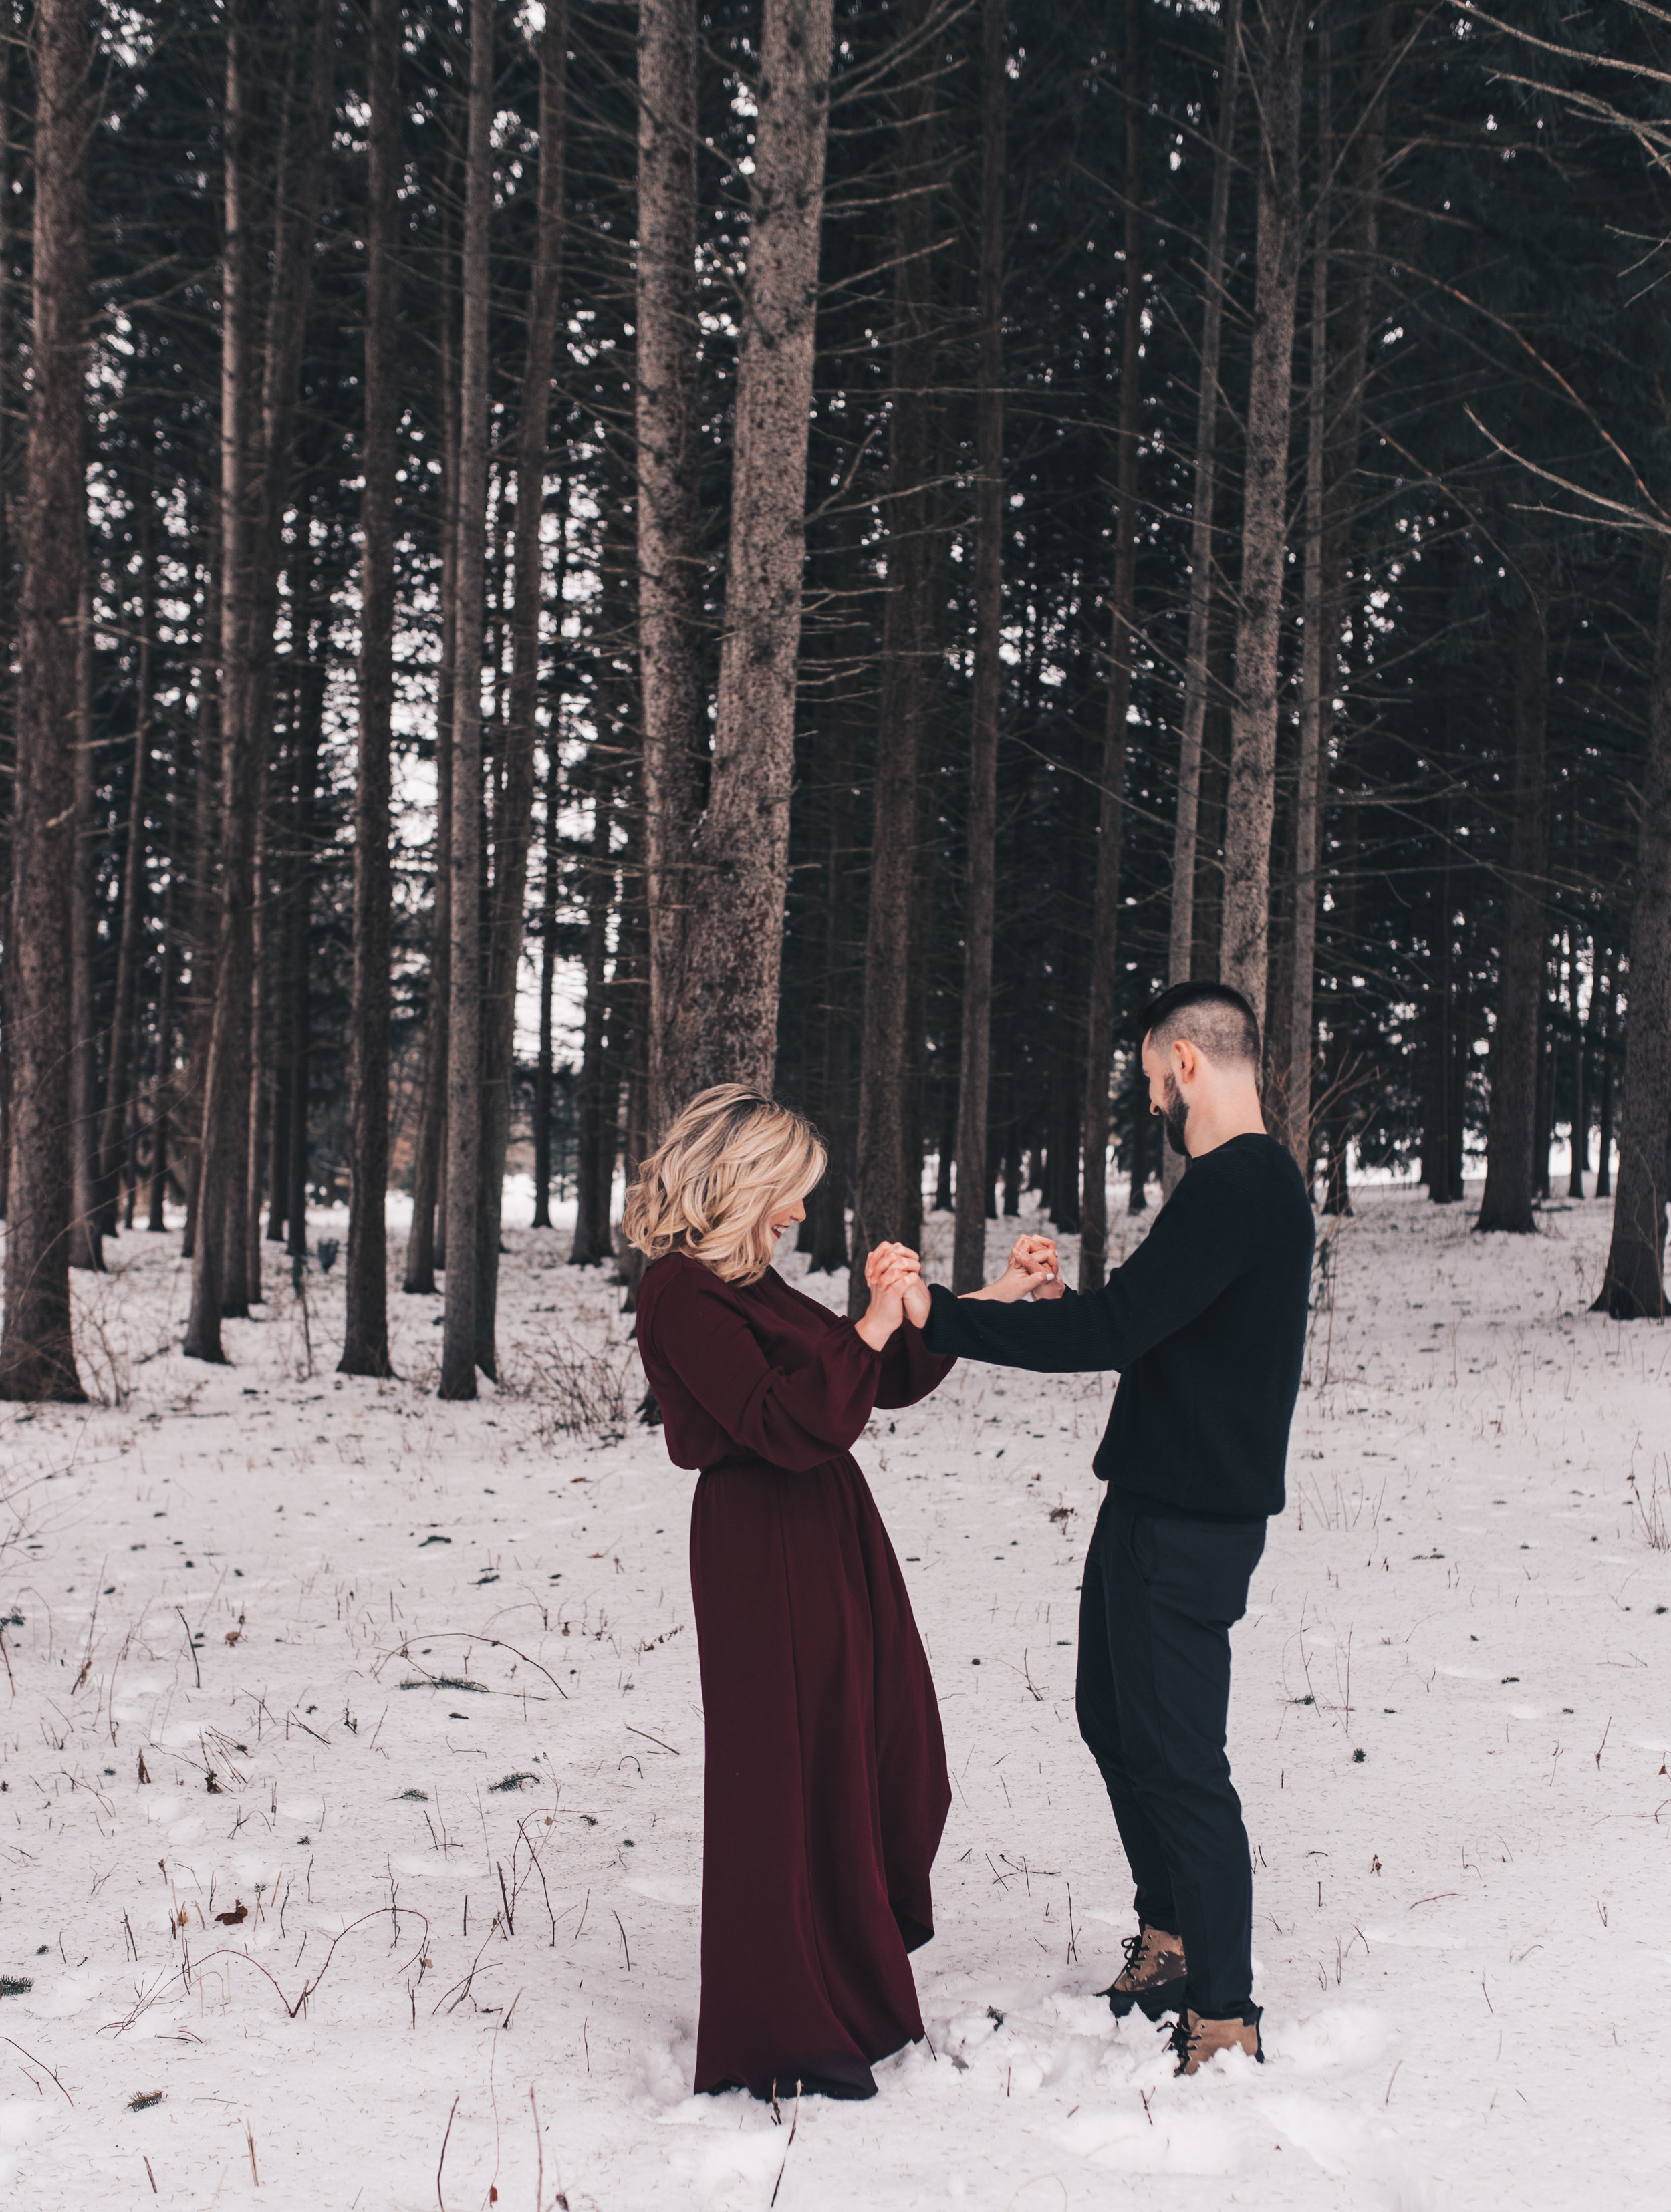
(918,1303)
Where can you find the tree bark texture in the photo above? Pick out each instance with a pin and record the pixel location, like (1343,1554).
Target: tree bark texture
(225,1086)
(425,1242)
(85,1241)
(549,904)
(1280,30)
(1122,637)
(37,1357)
(1512,1132)
(975,1074)
(670,569)
(1181,943)
(366,1286)
(463,856)
(1335,411)
(514,813)
(594,1167)
(121,1070)
(720,1021)
(1289,1105)
(1633,1287)
(885,1183)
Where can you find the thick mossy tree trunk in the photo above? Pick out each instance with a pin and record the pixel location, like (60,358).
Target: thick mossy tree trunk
(1279,31)
(1633,1287)
(37,1357)
(1512,1133)
(366,1286)
(1122,640)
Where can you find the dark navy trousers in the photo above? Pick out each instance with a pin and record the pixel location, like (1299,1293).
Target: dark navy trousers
(1159,1597)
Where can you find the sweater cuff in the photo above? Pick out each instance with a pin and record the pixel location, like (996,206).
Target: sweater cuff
(942,1332)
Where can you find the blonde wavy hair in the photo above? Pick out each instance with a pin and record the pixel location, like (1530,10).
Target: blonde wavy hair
(712,1186)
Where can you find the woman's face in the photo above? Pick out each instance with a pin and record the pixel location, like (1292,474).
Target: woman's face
(786,1217)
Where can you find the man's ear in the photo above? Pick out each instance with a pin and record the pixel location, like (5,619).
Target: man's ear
(1185,1061)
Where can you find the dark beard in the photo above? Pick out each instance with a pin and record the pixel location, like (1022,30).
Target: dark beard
(1175,1113)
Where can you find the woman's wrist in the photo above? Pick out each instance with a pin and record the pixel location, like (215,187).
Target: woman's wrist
(874,1329)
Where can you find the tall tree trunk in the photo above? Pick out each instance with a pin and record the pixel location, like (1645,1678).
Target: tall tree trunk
(975,1074)
(1317,671)
(1252,800)
(513,816)
(1333,434)
(258,1121)
(595,1090)
(884,1179)
(1634,1285)
(162,1080)
(1589,1049)
(366,1286)
(36,1358)
(86,1242)
(1511,1135)
(303,141)
(464,858)
(1579,1167)
(203,878)
(120,1074)
(1122,633)
(1609,1021)
(825,1237)
(1180,945)
(426,1241)
(721,1021)
(1339,1117)
(225,1081)
(1445,1105)
(548,906)
(669,573)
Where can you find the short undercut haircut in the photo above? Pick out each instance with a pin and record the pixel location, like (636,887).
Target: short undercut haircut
(1217,1020)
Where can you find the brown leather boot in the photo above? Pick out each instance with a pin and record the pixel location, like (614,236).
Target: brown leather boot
(1197,2041)
(1153,1979)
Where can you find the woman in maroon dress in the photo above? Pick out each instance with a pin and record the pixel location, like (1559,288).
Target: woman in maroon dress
(826,1786)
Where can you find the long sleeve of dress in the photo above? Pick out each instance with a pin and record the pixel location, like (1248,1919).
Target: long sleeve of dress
(909,1370)
(795,1418)
(1194,1250)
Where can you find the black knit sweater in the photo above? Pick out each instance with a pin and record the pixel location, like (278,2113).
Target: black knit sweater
(1206,1323)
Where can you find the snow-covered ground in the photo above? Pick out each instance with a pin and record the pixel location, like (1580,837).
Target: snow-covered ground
(415,1687)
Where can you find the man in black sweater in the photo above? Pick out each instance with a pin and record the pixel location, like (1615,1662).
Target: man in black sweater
(1206,1323)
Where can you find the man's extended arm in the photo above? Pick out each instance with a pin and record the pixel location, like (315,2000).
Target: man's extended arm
(1196,1248)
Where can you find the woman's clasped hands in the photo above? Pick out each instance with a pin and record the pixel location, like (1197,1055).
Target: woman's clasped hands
(893,1274)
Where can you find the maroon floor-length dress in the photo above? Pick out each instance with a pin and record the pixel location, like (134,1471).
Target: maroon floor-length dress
(826,1788)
